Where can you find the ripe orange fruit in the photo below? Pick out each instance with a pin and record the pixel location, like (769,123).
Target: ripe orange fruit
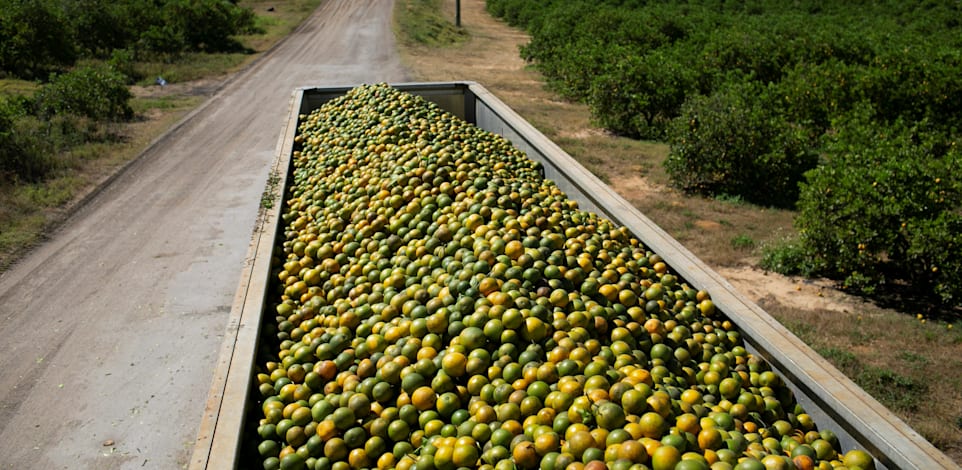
(547,442)
(665,458)
(633,451)
(803,462)
(454,363)
(652,425)
(710,439)
(424,398)
(859,458)
(525,455)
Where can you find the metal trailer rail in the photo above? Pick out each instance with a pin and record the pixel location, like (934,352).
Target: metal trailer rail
(831,399)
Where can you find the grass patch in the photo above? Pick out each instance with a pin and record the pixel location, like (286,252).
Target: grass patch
(25,213)
(844,360)
(189,67)
(13,87)
(911,357)
(270,190)
(172,102)
(803,331)
(895,391)
(422,22)
(18,234)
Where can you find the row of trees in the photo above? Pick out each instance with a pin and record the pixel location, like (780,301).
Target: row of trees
(43,40)
(846,110)
(40,36)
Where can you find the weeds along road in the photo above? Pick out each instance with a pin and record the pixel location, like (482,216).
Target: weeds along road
(110,330)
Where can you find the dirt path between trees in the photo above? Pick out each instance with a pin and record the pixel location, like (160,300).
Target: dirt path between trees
(109,331)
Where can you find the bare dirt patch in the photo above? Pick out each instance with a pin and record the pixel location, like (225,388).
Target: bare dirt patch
(200,87)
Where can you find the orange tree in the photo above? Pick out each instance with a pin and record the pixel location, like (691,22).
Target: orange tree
(884,211)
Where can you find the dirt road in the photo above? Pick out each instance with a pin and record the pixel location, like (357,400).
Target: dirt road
(110,330)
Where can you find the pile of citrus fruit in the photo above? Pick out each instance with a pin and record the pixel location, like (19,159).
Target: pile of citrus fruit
(440,305)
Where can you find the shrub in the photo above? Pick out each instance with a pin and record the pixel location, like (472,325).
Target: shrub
(29,146)
(122,62)
(922,82)
(556,44)
(519,12)
(884,209)
(787,257)
(734,142)
(208,25)
(34,38)
(812,94)
(745,47)
(96,92)
(638,95)
(933,253)
(100,27)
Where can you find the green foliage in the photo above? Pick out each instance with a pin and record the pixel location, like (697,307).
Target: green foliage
(639,95)
(423,21)
(178,26)
(884,209)
(62,114)
(100,27)
(787,257)
(520,12)
(636,62)
(35,38)
(99,93)
(933,253)
(122,61)
(207,25)
(743,242)
(733,143)
(748,93)
(915,83)
(813,94)
(28,145)
(39,36)
(895,391)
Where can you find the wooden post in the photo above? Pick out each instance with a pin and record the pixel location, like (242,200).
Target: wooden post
(457,13)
